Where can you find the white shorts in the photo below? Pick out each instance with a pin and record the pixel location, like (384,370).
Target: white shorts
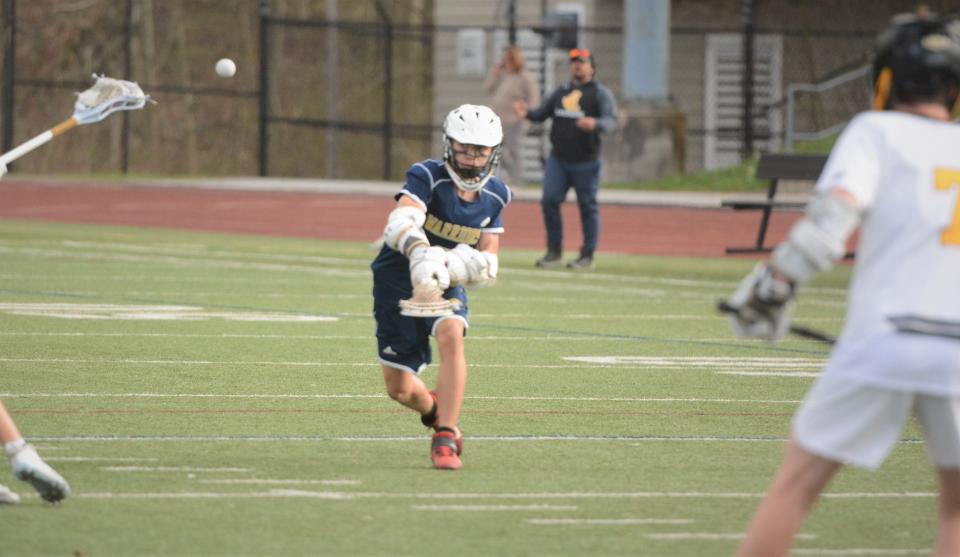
(858,424)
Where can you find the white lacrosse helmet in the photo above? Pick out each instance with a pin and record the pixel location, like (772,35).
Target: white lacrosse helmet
(471,124)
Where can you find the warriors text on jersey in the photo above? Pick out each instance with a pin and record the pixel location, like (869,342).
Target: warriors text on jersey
(450,220)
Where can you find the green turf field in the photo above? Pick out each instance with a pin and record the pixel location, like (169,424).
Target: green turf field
(208,394)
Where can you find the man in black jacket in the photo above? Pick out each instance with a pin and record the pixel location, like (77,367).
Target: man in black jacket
(581,109)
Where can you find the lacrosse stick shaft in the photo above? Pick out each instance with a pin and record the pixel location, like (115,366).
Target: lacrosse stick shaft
(31,144)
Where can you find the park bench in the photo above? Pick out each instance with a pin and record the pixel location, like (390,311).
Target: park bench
(776,167)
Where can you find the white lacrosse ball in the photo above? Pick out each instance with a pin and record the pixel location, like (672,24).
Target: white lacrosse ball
(225,67)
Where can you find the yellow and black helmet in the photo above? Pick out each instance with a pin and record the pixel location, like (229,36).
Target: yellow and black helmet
(917,59)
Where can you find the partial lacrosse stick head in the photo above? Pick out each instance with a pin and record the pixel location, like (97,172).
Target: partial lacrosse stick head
(107,96)
(428,301)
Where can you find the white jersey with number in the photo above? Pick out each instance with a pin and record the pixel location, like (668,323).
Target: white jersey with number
(904,170)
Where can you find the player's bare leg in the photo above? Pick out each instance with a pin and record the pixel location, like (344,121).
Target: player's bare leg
(948,527)
(27,464)
(791,495)
(407,389)
(452,377)
(8,430)
(451,385)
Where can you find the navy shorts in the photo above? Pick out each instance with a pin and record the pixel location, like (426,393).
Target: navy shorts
(404,342)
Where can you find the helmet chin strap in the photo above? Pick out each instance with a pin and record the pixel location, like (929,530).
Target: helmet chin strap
(463,184)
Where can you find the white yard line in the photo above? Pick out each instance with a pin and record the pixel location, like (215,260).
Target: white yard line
(265,481)
(494,508)
(200,263)
(383,396)
(607,521)
(451,496)
(418,439)
(865,551)
(172,469)
(771,373)
(472,337)
(685,536)
(655,364)
(97,459)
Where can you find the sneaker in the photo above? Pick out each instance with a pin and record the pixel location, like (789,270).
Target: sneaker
(432,419)
(551,259)
(444,451)
(584,263)
(8,497)
(29,467)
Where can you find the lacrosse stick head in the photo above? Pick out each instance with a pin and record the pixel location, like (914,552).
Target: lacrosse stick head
(428,301)
(107,96)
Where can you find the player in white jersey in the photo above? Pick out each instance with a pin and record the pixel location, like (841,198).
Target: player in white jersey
(26,463)
(895,172)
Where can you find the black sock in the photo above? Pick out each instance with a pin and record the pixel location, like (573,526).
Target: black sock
(430,417)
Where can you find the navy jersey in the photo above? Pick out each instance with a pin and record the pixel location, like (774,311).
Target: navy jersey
(450,219)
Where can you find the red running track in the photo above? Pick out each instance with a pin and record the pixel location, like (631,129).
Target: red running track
(633,229)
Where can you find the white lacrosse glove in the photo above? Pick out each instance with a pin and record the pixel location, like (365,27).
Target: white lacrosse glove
(469,267)
(428,267)
(763,304)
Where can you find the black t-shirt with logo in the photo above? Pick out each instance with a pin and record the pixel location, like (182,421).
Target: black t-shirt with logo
(565,105)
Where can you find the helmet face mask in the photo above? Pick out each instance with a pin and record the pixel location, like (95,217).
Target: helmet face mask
(917,60)
(470,127)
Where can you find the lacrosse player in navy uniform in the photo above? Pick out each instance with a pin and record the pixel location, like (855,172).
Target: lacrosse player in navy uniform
(443,236)
(895,173)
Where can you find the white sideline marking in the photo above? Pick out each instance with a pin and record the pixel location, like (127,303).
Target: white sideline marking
(606,521)
(584,338)
(336,396)
(98,459)
(522,438)
(202,251)
(668,366)
(445,496)
(771,373)
(418,439)
(693,361)
(171,469)
(274,493)
(148,312)
(469,508)
(860,551)
(199,335)
(201,263)
(674,536)
(130,361)
(258,481)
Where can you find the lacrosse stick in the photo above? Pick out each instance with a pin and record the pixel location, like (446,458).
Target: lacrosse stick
(428,301)
(96,103)
(799,330)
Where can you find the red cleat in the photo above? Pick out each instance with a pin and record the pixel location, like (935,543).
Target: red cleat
(435,422)
(445,451)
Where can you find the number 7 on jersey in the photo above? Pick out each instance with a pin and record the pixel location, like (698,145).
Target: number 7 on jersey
(944,179)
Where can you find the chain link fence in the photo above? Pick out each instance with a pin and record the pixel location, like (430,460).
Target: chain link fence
(339,89)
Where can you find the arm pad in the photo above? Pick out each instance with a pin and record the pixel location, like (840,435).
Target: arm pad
(817,240)
(404,230)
